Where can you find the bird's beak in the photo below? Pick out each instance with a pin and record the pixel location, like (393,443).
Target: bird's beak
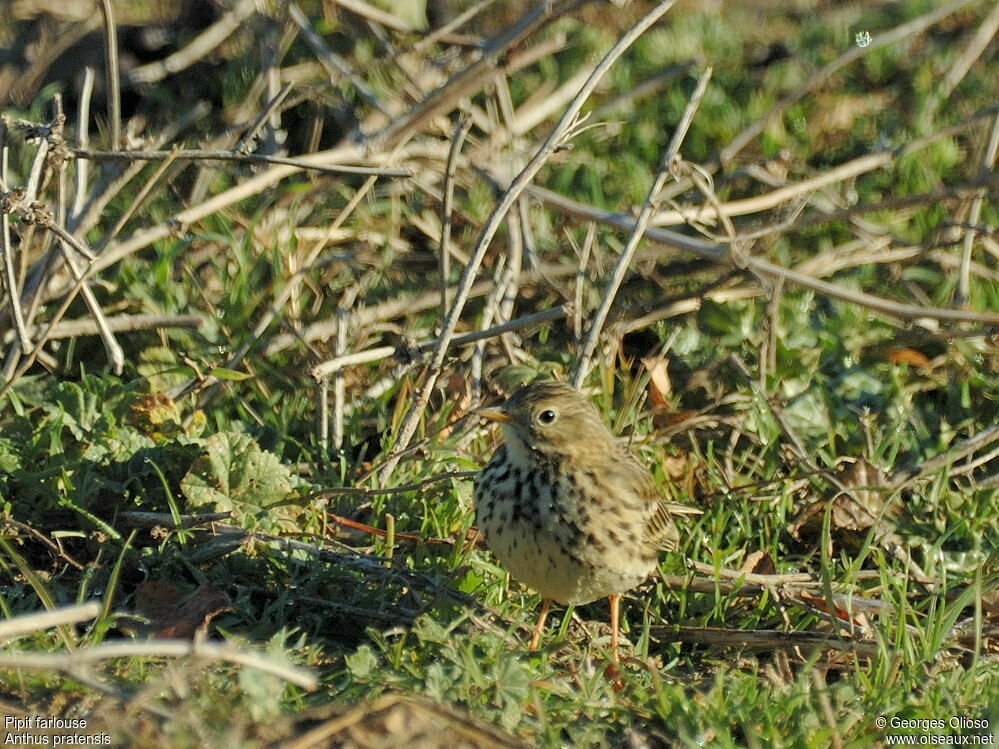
(493,414)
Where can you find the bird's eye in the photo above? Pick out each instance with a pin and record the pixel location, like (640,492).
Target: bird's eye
(546,417)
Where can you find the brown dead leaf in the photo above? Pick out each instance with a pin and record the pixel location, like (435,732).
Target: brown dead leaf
(856,509)
(659,382)
(676,466)
(156,416)
(909,356)
(856,618)
(172,615)
(759,563)
(672,418)
(862,505)
(685,471)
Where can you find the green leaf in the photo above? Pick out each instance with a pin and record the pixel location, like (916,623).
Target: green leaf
(235,475)
(427,630)
(513,680)
(362,662)
(229,374)
(10,459)
(437,682)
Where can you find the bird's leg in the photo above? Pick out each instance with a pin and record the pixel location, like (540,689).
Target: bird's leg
(536,637)
(615,611)
(612,672)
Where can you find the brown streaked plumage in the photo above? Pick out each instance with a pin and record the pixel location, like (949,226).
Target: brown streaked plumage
(566,508)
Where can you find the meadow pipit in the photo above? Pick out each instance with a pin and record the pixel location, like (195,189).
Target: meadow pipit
(566,508)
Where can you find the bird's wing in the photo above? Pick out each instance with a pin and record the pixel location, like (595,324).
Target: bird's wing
(676,509)
(627,472)
(661,533)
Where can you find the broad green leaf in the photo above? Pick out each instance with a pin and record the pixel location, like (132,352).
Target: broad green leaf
(235,475)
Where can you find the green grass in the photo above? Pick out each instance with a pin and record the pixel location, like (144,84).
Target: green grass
(773,398)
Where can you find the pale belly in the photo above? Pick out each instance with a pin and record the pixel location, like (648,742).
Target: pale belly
(551,542)
(539,563)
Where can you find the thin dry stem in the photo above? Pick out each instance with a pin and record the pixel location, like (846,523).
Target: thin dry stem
(28,623)
(988,161)
(335,65)
(666,168)
(83,139)
(112,85)
(290,287)
(197,49)
(339,383)
(983,35)
(306,164)
(718,253)
(383,352)
(111,650)
(458,135)
(520,182)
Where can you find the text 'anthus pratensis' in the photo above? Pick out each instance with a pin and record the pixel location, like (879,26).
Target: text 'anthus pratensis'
(566,508)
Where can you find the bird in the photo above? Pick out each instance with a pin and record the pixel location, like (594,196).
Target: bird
(566,508)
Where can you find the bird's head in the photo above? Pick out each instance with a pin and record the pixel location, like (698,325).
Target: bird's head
(552,418)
